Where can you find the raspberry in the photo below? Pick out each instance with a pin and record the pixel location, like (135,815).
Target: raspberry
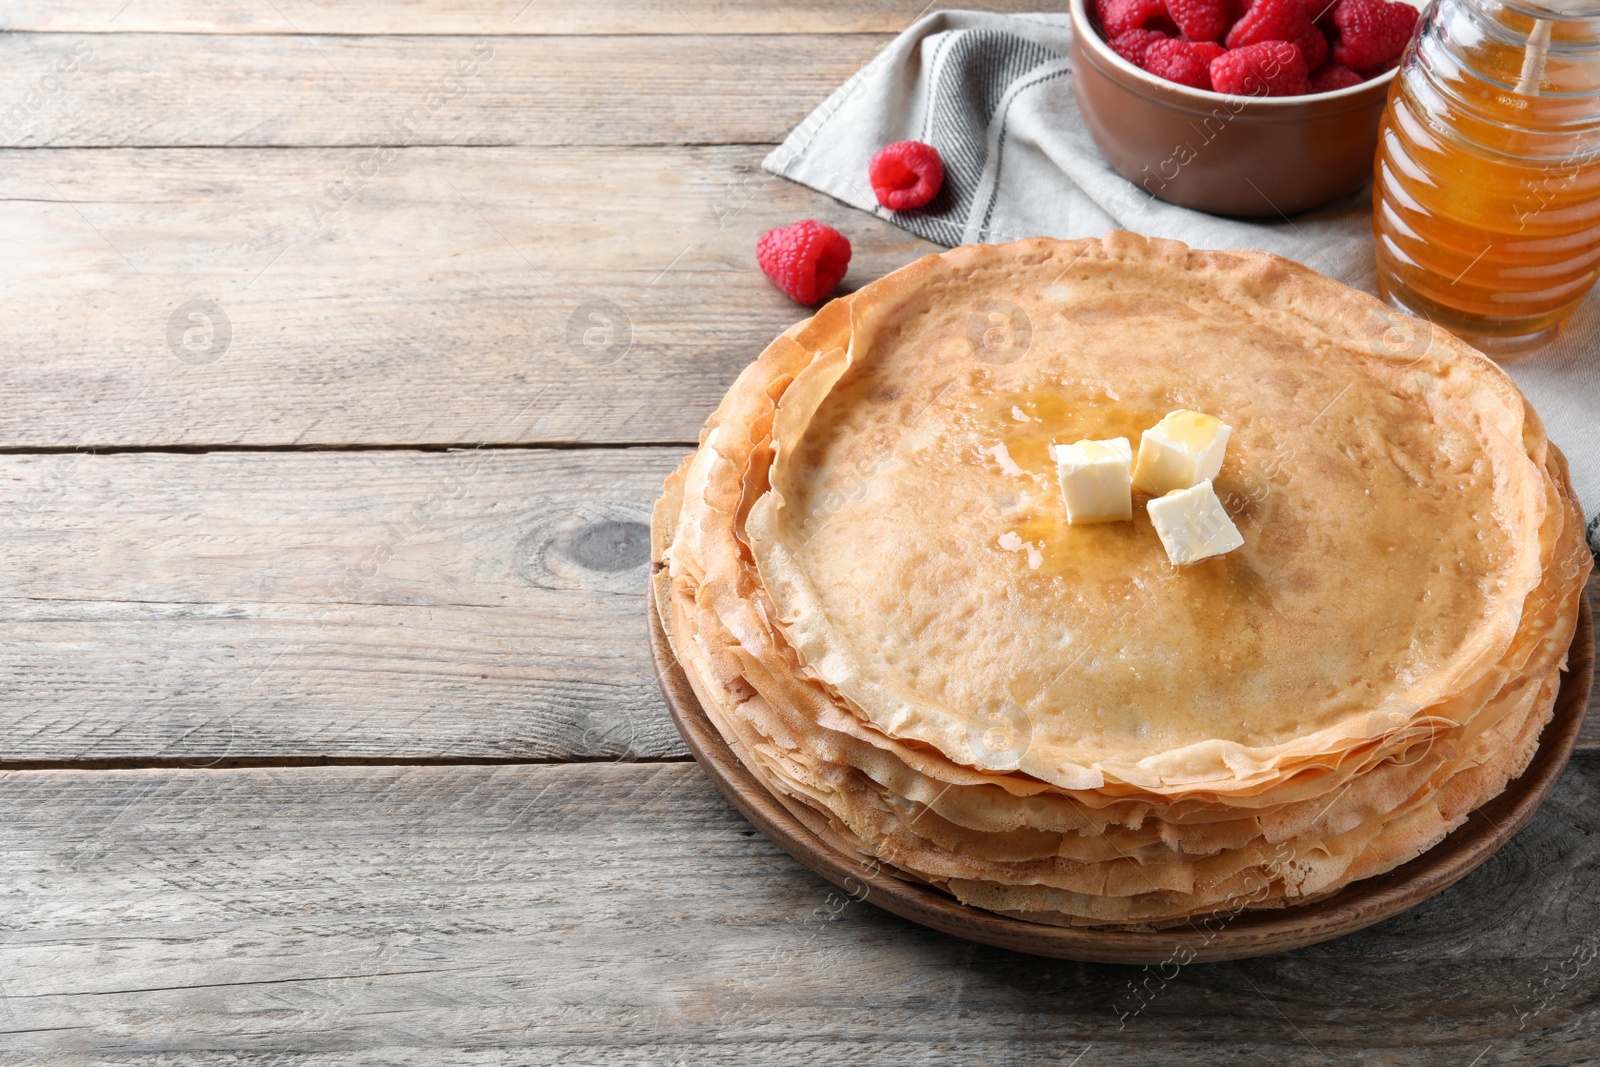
(806,260)
(1267,20)
(1185,62)
(1372,33)
(1134,44)
(1313,47)
(1267,68)
(1201,20)
(906,174)
(1281,20)
(1117,17)
(1333,77)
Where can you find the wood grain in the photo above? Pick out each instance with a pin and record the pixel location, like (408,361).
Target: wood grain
(228,606)
(475,17)
(280,90)
(452,295)
(610,914)
(1232,937)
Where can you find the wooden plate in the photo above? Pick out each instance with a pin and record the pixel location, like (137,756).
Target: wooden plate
(1247,934)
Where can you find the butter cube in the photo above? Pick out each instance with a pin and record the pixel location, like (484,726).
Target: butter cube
(1181,450)
(1192,524)
(1096,480)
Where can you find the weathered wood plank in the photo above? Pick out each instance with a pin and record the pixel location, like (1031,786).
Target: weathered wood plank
(1589,739)
(69,90)
(477,17)
(428,302)
(201,608)
(626,914)
(483,604)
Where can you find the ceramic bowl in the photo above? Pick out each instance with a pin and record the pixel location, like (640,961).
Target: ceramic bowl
(1242,156)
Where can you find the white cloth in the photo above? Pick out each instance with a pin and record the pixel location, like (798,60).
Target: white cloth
(994,94)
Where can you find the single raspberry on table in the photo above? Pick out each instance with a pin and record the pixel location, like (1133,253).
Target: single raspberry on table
(1185,62)
(1201,20)
(1117,17)
(1134,44)
(1267,68)
(1281,20)
(1372,33)
(906,174)
(807,260)
(1333,77)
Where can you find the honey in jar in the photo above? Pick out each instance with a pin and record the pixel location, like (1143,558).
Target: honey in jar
(1486,207)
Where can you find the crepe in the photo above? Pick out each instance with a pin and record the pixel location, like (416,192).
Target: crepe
(1020,866)
(1078,731)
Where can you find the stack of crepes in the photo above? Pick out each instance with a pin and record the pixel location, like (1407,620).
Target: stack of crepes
(867,575)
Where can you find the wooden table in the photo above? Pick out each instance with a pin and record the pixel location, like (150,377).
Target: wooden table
(346,346)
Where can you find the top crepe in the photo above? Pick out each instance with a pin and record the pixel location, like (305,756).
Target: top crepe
(914,544)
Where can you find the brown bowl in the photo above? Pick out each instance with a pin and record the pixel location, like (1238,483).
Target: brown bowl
(1243,156)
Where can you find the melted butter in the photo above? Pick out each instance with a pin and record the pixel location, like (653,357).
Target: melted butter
(1056,417)
(1191,429)
(1103,547)
(1095,451)
(1060,419)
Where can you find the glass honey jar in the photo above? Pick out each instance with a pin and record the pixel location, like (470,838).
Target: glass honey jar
(1486,207)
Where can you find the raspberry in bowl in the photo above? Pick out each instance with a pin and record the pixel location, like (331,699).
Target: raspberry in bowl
(1245,108)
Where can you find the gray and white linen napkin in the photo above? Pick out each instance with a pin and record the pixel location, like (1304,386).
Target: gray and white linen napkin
(994,94)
